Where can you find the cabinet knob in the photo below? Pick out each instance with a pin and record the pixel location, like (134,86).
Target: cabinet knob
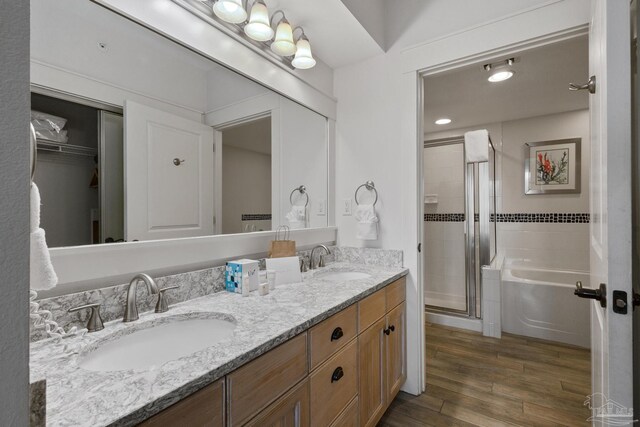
(337,374)
(386,331)
(337,334)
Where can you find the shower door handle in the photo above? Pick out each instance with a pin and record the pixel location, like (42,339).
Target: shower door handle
(599,294)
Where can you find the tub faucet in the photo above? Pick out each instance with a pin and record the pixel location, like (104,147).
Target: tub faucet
(313,266)
(131,307)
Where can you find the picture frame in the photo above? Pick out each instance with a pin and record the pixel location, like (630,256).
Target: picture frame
(552,167)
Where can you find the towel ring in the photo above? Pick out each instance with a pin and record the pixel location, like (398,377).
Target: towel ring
(34,150)
(303,191)
(369,185)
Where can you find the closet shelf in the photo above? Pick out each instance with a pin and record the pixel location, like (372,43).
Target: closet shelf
(63,148)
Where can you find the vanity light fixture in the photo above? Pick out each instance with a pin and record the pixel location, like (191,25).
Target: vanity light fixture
(259,28)
(443,121)
(231,11)
(303,59)
(500,71)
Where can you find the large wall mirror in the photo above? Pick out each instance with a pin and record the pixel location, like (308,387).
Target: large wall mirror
(140,138)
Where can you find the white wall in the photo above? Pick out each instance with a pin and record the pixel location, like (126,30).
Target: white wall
(14,214)
(564,246)
(377,118)
(303,160)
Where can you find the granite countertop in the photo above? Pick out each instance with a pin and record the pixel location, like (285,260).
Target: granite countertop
(78,397)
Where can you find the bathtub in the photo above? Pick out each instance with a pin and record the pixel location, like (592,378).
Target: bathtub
(540,303)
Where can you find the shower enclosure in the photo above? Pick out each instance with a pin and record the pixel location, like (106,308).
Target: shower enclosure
(459,226)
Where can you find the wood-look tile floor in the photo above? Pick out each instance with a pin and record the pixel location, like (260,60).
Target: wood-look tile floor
(478,381)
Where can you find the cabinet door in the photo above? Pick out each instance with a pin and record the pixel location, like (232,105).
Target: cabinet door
(204,408)
(291,410)
(371,348)
(396,351)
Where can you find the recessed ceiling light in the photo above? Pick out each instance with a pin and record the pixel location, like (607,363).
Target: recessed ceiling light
(443,121)
(500,76)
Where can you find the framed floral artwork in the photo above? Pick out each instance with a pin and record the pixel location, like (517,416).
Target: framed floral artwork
(552,167)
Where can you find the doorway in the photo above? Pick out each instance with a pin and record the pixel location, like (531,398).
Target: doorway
(477,214)
(246,176)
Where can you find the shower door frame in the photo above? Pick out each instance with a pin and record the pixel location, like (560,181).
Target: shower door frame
(484,253)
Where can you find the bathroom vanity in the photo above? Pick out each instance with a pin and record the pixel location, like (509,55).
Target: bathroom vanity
(326,352)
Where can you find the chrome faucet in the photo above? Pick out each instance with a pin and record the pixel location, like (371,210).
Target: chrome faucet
(312,265)
(131,307)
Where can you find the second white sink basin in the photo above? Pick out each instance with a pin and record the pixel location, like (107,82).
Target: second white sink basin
(150,347)
(343,275)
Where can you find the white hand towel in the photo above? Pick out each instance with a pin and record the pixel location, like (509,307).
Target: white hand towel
(297,217)
(42,275)
(367,226)
(476,146)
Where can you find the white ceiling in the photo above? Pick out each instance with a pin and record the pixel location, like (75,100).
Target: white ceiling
(539,87)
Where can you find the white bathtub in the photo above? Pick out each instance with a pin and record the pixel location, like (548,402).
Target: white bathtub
(540,303)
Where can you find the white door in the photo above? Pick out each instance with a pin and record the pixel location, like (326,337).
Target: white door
(611,330)
(169,176)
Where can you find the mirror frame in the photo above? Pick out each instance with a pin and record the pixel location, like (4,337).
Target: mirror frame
(81,268)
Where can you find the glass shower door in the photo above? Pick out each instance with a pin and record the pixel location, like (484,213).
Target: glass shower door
(459,226)
(445,227)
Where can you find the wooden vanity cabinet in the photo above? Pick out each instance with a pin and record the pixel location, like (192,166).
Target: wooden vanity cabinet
(204,408)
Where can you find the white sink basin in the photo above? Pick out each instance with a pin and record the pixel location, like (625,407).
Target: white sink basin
(150,347)
(343,275)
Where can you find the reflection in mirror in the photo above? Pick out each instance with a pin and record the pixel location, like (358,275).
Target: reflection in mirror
(140,138)
(246,177)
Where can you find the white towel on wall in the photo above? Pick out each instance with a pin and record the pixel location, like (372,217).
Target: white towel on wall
(42,274)
(476,146)
(297,217)
(367,226)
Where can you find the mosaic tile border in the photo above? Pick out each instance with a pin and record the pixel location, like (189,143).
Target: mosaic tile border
(550,218)
(556,218)
(256,217)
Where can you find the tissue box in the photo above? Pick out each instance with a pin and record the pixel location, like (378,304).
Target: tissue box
(236,270)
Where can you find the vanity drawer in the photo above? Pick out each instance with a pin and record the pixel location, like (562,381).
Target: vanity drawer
(334,385)
(331,335)
(348,417)
(260,382)
(203,408)
(371,309)
(396,293)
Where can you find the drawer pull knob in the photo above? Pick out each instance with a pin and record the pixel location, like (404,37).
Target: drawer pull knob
(392,327)
(337,374)
(386,331)
(337,334)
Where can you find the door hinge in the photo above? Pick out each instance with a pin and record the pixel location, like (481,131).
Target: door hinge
(419,247)
(214,148)
(214,220)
